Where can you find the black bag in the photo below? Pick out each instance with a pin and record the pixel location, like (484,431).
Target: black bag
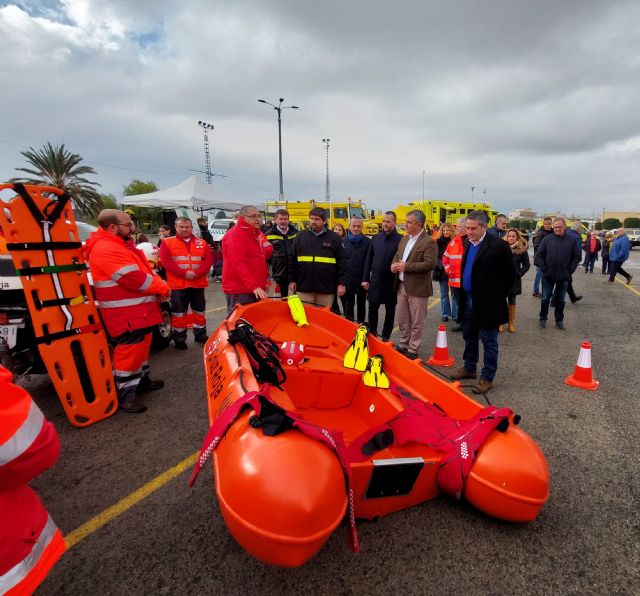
(263,353)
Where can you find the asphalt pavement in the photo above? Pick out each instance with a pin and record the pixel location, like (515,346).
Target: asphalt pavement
(172,539)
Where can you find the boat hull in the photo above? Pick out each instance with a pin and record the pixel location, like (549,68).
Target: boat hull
(283,496)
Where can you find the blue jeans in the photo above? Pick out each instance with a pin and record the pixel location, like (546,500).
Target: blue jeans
(537,280)
(455,300)
(445,306)
(472,335)
(558,289)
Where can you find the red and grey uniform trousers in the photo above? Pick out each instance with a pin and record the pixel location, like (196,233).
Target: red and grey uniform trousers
(131,362)
(181,300)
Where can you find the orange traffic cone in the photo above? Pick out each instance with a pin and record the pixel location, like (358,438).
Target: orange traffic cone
(440,356)
(583,375)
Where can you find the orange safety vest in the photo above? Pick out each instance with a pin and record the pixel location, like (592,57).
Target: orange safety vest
(30,542)
(452,261)
(186,255)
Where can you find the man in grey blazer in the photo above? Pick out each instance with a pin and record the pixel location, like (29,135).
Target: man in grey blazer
(413,264)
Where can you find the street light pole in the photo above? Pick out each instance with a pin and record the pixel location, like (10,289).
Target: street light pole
(207,156)
(327,189)
(279,109)
(472,190)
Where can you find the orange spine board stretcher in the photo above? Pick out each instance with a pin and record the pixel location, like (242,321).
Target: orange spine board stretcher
(282,496)
(43,240)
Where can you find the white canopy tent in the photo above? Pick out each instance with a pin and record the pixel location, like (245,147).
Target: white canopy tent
(194,193)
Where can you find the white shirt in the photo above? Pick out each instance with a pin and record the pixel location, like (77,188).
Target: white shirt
(407,249)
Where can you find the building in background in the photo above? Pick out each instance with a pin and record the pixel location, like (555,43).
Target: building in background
(525,213)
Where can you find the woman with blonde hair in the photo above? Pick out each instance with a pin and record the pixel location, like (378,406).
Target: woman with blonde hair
(445,236)
(521,264)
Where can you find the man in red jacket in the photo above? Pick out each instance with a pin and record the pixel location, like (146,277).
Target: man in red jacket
(127,291)
(187,260)
(245,250)
(30,542)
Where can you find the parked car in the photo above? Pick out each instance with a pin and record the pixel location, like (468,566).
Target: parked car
(219,227)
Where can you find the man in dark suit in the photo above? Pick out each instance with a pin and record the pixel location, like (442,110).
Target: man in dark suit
(413,263)
(378,278)
(487,276)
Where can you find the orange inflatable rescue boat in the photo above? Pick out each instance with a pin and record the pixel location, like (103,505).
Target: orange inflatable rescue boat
(310,426)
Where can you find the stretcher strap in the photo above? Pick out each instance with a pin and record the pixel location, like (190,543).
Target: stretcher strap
(68,333)
(43,245)
(48,269)
(38,215)
(61,302)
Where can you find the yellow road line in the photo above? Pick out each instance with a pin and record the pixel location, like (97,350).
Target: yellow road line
(623,283)
(129,501)
(216,309)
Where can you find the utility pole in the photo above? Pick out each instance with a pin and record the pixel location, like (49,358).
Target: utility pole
(327,187)
(207,156)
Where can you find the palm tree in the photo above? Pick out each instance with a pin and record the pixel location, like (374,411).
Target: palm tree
(56,166)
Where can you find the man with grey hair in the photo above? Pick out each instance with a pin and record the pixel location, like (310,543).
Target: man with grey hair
(499,230)
(487,276)
(245,251)
(356,248)
(558,257)
(413,265)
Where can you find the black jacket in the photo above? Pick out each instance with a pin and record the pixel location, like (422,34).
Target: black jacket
(282,245)
(521,265)
(438,272)
(540,235)
(356,254)
(558,257)
(492,278)
(317,263)
(377,268)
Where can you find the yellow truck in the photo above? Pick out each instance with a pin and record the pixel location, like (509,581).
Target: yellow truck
(337,212)
(438,212)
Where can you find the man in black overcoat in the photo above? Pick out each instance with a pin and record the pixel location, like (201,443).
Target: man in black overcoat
(487,276)
(378,278)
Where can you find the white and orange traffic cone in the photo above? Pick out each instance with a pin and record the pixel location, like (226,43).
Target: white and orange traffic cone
(583,375)
(440,356)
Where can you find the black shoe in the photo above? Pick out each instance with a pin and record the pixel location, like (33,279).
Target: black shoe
(560,325)
(146,385)
(537,295)
(384,339)
(445,319)
(576,299)
(457,328)
(542,323)
(397,348)
(201,339)
(180,345)
(410,355)
(133,407)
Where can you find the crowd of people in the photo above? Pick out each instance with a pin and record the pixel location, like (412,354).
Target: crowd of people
(479,270)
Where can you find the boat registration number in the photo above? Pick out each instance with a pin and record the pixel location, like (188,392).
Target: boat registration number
(9,333)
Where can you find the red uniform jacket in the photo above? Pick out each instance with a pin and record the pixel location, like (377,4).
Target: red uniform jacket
(245,251)
(178,257)
(126,288)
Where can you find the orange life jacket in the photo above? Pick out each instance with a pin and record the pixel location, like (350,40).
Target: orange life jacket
(187,256)
(30,542)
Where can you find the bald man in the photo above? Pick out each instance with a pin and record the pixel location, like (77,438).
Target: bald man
(128,294)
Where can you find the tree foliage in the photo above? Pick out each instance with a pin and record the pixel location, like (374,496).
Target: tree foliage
(529,224)
(138,187)
(57,166)
(147,218)
(632,222)
(611,222)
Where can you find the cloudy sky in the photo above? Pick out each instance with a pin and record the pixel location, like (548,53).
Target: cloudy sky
(536,102)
